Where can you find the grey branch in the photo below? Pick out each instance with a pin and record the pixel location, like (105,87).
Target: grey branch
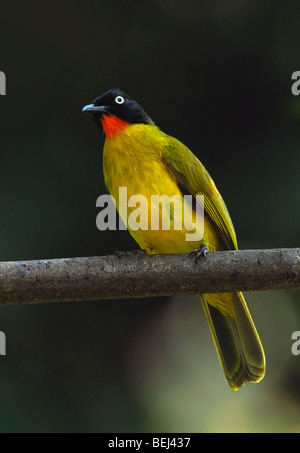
(135,274)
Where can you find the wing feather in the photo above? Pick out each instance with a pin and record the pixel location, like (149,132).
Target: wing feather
(194,179)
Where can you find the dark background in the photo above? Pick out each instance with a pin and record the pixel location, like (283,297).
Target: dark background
(217,75)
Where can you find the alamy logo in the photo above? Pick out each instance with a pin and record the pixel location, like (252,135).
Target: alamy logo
(296,85)
(2,343)
(2,84)
(296,344)
(160,212)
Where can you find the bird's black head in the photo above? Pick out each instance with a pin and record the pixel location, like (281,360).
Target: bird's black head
(116,103)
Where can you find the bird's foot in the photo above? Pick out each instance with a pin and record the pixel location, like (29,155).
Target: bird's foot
(200,252)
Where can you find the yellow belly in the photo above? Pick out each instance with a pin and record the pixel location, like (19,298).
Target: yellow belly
(127,164)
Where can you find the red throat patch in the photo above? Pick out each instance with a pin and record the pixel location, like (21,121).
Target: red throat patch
(112,125)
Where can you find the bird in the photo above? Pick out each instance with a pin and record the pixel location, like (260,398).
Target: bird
(139,156)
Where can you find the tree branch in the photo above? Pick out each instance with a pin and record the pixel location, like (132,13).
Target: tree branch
(136,274)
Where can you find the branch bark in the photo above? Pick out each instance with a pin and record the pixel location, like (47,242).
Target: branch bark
(136,274)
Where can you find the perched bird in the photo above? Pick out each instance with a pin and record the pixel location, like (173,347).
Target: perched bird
(139,156)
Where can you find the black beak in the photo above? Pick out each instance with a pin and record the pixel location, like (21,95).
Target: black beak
(94,110)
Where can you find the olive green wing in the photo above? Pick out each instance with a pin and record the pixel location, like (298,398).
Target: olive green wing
(194,179)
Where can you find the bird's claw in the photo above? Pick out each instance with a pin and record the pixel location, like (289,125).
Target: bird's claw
(199,253)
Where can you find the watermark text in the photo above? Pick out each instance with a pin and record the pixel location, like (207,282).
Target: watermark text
(2,343)
(2,84)
(296,85)
(296,344)
(158,212)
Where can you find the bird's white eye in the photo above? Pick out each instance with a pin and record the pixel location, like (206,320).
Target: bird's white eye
(120,100)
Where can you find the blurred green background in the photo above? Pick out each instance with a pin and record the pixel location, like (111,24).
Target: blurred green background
(217,75)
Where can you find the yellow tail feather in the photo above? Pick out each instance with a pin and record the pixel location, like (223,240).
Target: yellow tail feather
(237,342)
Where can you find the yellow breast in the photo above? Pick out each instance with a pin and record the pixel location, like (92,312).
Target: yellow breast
(133,160)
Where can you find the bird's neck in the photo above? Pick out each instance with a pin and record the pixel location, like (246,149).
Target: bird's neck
(112,125)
